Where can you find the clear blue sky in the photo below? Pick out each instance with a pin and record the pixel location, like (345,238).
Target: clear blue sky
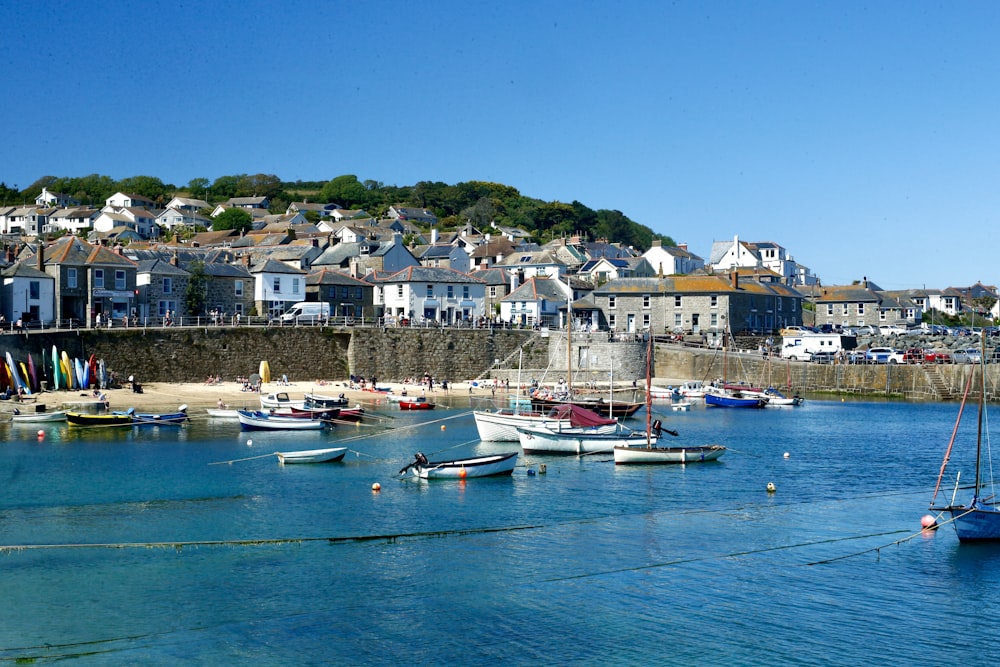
(863,137)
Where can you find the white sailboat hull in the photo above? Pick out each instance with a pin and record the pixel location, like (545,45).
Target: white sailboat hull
(501,426)
(542,440)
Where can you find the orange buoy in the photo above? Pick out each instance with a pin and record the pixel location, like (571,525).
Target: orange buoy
(927,522)
(376,487)
(41,434)
(462,473)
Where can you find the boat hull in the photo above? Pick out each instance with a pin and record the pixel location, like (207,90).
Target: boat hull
(734,401)
(541,440)
(329,455)
(82,419)
(481,466)
(415,405)
(615,410)
(976,523)
(39,417)
(660,455)
(150,419)
(259,421)
(501,426)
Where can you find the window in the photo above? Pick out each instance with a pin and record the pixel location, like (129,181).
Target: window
(295,285)
(238,286)
(829,309)
(645,320)
(399,291)
(465,291)
(493,291)
(611,321)
(34,289)
(611,301)
(430,291)
(861,309)
(237,309)
(714,320)
(165,305)
(168,285)
(358,294)
(713,301)
(70,277)
(677,301)
(645,302)
(119,280)
(277,285)
(678,321)
(99,278)
(451,291)
(843,309)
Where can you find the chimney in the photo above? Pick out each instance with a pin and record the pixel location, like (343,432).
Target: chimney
(682,246)
(735,277)
(40,255)
(173,260)
(434,236)
(314,242)
(657,243)
(354,267)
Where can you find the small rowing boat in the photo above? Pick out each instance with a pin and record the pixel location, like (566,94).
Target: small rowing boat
(261,421)
(480,466)
(329,455)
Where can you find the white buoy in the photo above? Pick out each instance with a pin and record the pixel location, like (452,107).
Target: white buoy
(249,443)
(771,488)
(787,455)
(376,487)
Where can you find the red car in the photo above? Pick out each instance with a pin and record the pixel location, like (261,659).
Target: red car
(913,356)
(937,357)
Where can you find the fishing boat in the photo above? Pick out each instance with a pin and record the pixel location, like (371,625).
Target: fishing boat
(328,455)
(542,400)
(38,415)
(355,414)
(501,425)
(160,418)
(279,400)
(90,419)
(309,413)
(480,466)
(692,389)
(255,420)
(320,401)
(649,453)
(681,406)
(418,403)
(775,399)
(545,440)
(978,519)
(663,393)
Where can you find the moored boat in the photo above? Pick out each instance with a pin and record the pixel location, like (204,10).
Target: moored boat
(279,400)
(479,466)
(255,420)
(418,403)
(38,416)
(317,401)
(652,455)
(90,419)
(328,455)
(725,400)
(501,425)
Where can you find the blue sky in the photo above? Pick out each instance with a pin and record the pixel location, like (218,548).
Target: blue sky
(863,137)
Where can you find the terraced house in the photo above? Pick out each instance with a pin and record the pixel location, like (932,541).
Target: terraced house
(697,304)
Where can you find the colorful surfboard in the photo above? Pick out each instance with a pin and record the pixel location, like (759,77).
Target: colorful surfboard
(15,375)
(265,372)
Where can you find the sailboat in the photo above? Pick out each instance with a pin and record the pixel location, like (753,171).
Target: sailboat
(731,396)
(649,453)
(979,519)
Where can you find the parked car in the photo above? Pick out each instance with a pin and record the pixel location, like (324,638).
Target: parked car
(967,356)
(937,357)
(867,330)
(824,357)
(795,330)
(914,355)
(892,330)
(897,357)
(879,355)
(857,357)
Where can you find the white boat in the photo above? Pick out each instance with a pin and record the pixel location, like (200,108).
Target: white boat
(319,401)
(651,455)
(692,389)
(647,452)
(38,416)
(261,421)
(501,425)
(329,455)
(776,399)
(279,400)
(223,413)
(681,406)
(575,440)
(480,466)
(663,393)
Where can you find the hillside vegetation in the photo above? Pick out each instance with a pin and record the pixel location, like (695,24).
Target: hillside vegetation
(475,202)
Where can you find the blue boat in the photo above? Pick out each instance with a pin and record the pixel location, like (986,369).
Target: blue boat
(979,519)
(733,401)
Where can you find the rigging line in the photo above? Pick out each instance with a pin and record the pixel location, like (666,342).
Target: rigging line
(249,458)
(392,537)
(734,554)
(890,544)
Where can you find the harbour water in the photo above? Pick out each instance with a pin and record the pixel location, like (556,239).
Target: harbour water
(142,546)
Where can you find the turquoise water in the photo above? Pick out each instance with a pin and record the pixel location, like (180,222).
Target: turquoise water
(589,563)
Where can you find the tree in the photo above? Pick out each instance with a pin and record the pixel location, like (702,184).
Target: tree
(233,218)
(196,294)
(198,187)
(147,186)
(344,190)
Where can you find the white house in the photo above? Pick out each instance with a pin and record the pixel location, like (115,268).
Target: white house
(187,204)
(670,261)
(276,286)
(176,217)
(28,294)
(73,220)
(121,200)
(139,220)
(46,198)
(426,295)
(537,301)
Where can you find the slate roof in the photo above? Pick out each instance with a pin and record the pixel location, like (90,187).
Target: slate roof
(430,274)
(536,289)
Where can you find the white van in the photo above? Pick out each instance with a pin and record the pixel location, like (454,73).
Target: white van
(306,312)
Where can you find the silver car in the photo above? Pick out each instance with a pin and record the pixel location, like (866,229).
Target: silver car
(968,356)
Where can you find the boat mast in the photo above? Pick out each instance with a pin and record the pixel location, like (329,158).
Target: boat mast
(569,342)
(979,416)
(649,394)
